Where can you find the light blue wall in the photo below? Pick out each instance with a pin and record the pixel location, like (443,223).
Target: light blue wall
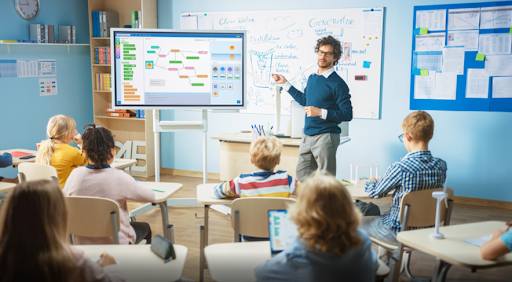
(476,145)
(24,113)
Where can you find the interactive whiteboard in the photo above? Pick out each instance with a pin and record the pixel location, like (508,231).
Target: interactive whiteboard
(283,42)
(160,69)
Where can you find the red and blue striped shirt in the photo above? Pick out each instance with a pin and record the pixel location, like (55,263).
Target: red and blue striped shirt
(258,184)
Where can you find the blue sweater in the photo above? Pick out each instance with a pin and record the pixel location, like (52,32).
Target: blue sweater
(5,160)
(326,93)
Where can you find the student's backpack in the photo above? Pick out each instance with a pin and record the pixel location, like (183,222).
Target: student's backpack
(368,209)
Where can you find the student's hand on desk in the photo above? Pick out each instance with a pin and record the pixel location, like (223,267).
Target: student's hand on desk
(279,79)
(106,260)
(497,233)
(77,138)
(313,111)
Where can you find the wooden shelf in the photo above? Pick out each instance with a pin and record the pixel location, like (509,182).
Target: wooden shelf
(40,44)
(124,129)
(121,118)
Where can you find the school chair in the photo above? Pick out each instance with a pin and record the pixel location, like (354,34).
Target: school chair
(249,216)
(93,217)
(417,209)
(34,171)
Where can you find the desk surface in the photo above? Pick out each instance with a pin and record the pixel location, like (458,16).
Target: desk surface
(237,136)
(118,163)
(452,249)
(6,187)
(139,263)
(17,161)
(163,189)
(237,261)
(204,192)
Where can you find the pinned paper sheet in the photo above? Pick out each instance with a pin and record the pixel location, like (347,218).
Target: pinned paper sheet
(366,65)
(423,30)
(424,72)
(480,57)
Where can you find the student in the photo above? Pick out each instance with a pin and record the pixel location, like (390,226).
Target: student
(5,161)
(329,246)
(57,152)
(98,179)
(34,244)
(499,245)
(418,170)
(265,155)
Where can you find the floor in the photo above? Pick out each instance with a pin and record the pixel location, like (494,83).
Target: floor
(187,226)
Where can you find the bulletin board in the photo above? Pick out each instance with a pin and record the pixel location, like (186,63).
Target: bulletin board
(461,102)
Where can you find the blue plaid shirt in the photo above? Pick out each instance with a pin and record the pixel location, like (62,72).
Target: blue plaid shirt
(416,171)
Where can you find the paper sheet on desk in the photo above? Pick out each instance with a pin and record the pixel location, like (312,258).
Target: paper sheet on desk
(479,241)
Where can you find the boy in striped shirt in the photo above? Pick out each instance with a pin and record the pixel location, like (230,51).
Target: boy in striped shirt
(265,155)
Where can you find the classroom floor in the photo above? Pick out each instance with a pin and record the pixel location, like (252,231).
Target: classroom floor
(186,231)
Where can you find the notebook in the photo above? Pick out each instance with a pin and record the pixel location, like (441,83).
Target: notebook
(17,154)
(282,230)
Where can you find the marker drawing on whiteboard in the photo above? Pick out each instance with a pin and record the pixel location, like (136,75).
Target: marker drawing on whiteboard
(279,23)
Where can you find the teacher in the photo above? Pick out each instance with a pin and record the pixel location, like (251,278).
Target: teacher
(326,100)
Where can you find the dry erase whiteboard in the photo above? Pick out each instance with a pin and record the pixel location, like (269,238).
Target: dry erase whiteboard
(283,42)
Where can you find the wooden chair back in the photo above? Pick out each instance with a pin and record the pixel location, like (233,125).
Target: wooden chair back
(93,217)
(249,216)
(422,208)
(34,171)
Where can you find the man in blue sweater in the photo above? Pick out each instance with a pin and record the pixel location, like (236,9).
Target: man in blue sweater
(327,104)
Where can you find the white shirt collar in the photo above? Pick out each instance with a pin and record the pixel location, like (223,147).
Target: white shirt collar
(327,72)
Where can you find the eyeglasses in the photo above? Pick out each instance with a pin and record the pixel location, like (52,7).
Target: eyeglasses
(401,137)
(327,54)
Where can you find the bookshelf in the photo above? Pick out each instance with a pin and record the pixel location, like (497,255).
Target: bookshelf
(123,128)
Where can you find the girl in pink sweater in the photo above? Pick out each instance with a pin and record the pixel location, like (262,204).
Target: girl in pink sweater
(34,240)
(98,179)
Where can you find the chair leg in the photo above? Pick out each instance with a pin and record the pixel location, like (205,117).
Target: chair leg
(236,237)
(395,271)
(408,269)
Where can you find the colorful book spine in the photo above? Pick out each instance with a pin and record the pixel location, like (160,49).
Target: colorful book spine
(108,56)
(96,58)
(134,18)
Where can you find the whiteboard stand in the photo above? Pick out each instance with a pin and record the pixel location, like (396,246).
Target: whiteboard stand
(175,126)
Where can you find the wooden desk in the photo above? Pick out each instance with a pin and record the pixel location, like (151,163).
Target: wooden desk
(139,263)
(17,161)
(452,250)
(163,191)
(235,158)
(6,187)
(237,261)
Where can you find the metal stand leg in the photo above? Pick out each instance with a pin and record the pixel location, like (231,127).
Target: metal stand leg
(201,254)
(440,271)
(206,211)
(168,229)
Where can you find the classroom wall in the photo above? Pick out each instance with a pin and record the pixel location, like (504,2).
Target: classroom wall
(476,145)
(24,114)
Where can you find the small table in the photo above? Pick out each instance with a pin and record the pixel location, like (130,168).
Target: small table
(242,258)
(452,250)
(139,263)
(163,191)
(17,161)
(122,163)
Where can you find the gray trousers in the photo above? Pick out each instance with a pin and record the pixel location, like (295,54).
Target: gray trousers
(317,152)
(374,226)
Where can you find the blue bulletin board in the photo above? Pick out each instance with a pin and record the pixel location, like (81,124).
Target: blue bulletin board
(461,103)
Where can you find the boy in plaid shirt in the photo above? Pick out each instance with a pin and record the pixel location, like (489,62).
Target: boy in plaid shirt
(418,170)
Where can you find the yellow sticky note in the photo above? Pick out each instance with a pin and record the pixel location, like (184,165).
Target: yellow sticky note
(363,37)
(424,30)
(480,57)
(367,44)
(369,38)
(424,72)
(375,37)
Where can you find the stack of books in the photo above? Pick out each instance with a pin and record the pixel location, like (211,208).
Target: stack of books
(119,113)
(102,55)
(102,21)
(41,33)
(103,81)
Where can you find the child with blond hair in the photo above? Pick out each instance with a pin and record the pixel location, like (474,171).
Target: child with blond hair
(265,155)
(418,170)
(329,245)
(57,152)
